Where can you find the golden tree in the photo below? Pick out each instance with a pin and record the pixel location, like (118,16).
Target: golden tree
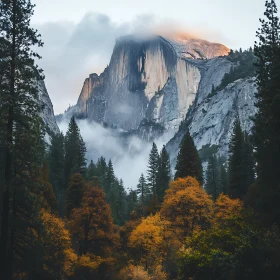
(187,207)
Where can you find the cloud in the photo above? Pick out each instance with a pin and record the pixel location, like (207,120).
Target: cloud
(73,51)
(129,154)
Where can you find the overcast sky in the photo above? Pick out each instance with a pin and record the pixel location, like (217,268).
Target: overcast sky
(79,35)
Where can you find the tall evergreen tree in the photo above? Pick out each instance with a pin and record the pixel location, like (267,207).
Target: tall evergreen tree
(143,191)
(131,201)
(101,169)
(213,178)
(163,174)
(110,177)
(248,162)
(120,203)
(75,150)
(267,119)
(91,170)
(56,169)
(74,193)
(241,162)
(152,171)
(224,179)
(236,176)
(19,106)
(188,161)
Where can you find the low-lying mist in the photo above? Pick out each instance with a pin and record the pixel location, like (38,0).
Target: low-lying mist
(128,153)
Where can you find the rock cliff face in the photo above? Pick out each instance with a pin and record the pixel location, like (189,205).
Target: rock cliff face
(149,81)
(47,113)
(210,119)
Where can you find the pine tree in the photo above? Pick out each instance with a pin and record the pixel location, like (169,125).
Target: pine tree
(236,161)
(224,179)
(120,203)
(75,150)
(188,161)
(213,178)
(152,171)
(91,170)
(110,177)
(163,174)
(248,162)
(131,201)
(101,169)
(74,193)
(267,119)
(19,107)
(143,191)
(56,169)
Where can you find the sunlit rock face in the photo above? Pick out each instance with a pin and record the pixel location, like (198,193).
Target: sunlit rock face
(148,80)
(189,47)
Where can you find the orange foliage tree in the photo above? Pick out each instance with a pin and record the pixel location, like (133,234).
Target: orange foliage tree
(92,224)
(150,241)
(59,257)
(187,207)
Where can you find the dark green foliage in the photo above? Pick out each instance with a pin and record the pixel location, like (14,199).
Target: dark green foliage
(121,203)
(241,162)
(75,150)
(153,166)
(116,195)
(235,162)
(143,192)
(91,170)
(163,174)
(188,161)
(19,114)
(131,200)
(224,179)
(56,169)
(267,119)
(248,162)
(101,169)
(213,184)
(74,193)
(109,178)
(206,151)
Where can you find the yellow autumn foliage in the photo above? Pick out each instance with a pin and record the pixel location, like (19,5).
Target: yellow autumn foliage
(226,207)
(150,239)
(187,207)
(59,256)
(149,234)
(132,272)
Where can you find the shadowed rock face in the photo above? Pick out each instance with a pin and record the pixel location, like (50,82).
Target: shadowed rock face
(47,113)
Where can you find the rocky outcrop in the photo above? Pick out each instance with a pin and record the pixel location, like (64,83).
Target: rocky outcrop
(210,119)
(47,113)
(189,47)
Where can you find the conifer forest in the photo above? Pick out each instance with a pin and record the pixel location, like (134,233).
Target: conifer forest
(65,216)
